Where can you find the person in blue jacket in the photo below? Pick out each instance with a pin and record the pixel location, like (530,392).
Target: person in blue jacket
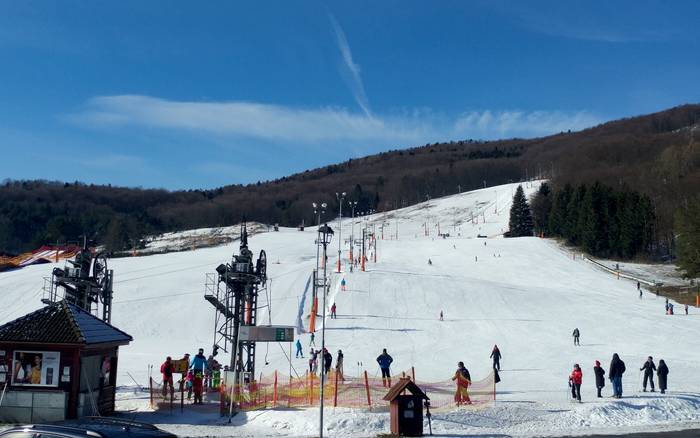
(199,362)
(384,361)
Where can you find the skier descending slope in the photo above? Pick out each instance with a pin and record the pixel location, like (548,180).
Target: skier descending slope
(599,377)
(576,335)
(648,369)
(384,361)
(616,370)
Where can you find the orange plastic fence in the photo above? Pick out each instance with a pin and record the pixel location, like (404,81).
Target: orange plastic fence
(363,392)
(49,253)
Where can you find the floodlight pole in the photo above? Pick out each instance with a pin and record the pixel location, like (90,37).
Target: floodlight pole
(340,197)
(326,241)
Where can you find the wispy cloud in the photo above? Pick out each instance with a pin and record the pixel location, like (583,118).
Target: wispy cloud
(282,124)
(352,70)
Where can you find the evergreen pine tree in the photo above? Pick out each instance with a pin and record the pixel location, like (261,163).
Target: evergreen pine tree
(520,222)
(541,206)
(687,227)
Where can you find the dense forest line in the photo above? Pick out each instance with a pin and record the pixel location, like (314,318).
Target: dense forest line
(603,221)
(656,155)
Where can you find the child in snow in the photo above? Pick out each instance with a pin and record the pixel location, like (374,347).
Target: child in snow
(198,387)
(188,383)
(576,335)
(599,377)
(575,381)
(312,342)
(648,369)
(463,381)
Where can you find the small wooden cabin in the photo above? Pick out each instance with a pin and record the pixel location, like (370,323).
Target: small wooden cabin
(58,362)
(406,408)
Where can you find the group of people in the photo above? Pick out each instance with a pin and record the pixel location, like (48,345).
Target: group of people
(615,372)
(199,372)
(327,361)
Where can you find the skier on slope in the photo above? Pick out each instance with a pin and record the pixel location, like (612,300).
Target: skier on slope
(333,309)
(662,373)
(384,361)
(342,284)
(615,372)
(496,356)
(463,381)
(299,349)
(599,377)
(575,380)
(313,361)
(648,369)
(576,335)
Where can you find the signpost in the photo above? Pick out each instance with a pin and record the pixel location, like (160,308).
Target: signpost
(266,333)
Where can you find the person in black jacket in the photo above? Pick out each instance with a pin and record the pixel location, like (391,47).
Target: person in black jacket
(617,368)
(662,372)
(599,377)
(648,369)
(576,335)
(496,355)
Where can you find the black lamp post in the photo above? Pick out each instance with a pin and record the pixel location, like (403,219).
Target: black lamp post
(325,235)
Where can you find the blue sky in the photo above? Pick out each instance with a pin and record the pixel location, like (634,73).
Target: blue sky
(203,94)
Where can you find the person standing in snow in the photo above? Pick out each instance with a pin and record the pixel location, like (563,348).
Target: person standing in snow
(166,369)
(496,356)
(576,335)
(313,361)
(342,284)
(327,360)
(299,350)
(463,381)
(333,315)
(599,377)
(662,373)
(339,364)
(441,316)
(312,342)
(686,309)
(384,361)
(199,362)
(615,372)
(575,380)
(648,369)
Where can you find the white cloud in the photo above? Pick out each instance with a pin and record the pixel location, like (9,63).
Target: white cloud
(282,124)
(353,69)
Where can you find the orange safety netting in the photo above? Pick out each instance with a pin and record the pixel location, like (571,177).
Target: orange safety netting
(45,253)
(277,390)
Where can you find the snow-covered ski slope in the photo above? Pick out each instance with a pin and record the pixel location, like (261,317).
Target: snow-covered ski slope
(524,294)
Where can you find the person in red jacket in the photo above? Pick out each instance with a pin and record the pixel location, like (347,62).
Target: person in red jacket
(166,369)
(575,381)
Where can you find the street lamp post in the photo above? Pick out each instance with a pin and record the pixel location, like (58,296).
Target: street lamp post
(353,204)
(325,234)
(340,197)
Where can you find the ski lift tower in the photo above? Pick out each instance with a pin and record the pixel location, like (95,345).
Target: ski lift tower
(85,282)
(233,290)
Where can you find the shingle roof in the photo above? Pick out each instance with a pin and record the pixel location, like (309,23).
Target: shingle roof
(62,323)
(405,383)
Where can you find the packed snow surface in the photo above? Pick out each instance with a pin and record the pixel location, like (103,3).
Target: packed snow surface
(524,294)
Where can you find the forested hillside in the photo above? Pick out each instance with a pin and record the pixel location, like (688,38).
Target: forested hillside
(657,155)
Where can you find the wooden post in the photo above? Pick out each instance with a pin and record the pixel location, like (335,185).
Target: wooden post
(274,392)
(150,389)
(335,391)
(369,400)
(413,374)
(697,301)
(311,389)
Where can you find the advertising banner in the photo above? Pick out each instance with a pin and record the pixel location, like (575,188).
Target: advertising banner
(35,368)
